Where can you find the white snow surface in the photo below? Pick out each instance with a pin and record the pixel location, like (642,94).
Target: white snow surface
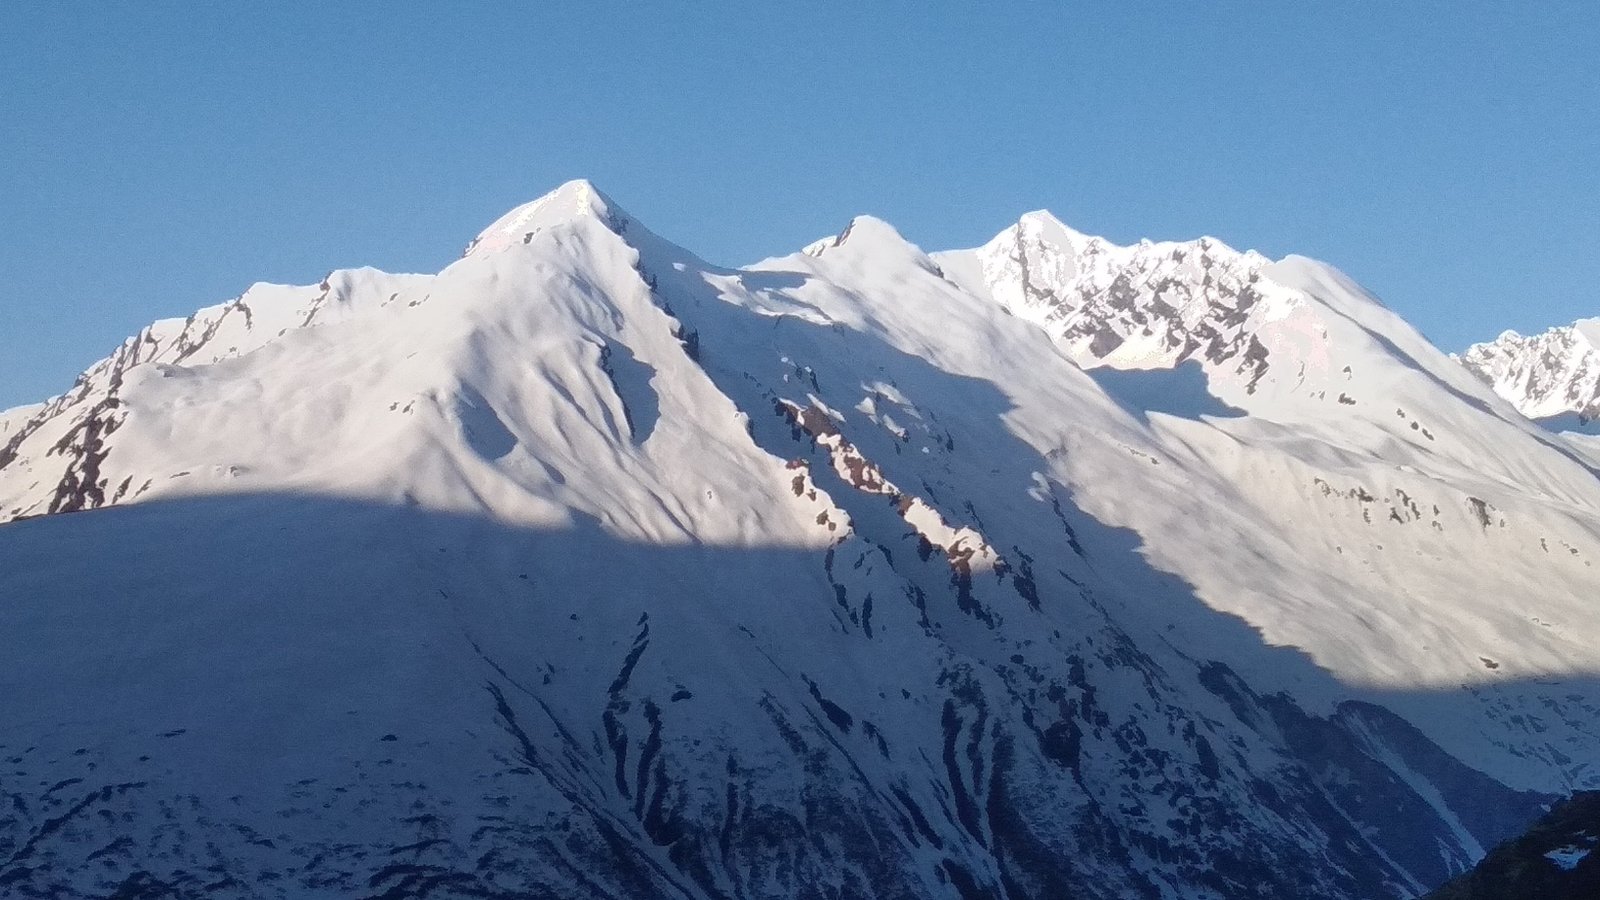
(594,543)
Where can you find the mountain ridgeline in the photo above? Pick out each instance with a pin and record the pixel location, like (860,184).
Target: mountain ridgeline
(585,568)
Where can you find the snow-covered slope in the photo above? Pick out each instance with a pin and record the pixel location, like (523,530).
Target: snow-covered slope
(587,568)
(1552,376)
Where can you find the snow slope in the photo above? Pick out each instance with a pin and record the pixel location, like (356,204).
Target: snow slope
(587,568)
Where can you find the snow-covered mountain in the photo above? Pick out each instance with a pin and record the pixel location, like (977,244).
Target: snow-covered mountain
(1553,376)
(587,568)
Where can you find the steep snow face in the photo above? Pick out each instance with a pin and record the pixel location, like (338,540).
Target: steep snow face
(414,393)
(1547,375)
(52,455)
(1296,412)
(586,568)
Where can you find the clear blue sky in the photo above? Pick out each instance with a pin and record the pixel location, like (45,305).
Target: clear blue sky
(158,157)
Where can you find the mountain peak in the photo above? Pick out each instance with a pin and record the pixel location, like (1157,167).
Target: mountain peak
(575,199)
(1043,224)
(862,232)
(1547,375)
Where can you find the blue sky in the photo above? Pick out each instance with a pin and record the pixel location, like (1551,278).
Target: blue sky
(158,157)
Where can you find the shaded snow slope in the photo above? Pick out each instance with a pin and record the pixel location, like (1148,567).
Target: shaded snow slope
(587,568)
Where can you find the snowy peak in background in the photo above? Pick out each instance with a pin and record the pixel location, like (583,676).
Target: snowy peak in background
(1291,341)
(584,567)
(1141,306)
(1552,375)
